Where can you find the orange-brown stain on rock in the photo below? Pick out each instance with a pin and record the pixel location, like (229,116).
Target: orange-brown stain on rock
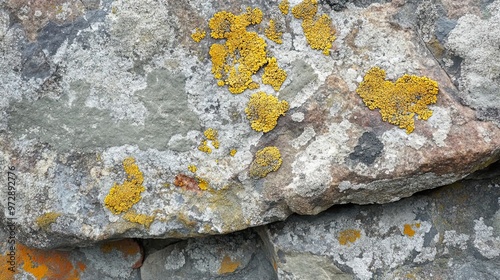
(348,236)
(228,265)
(408,229)
(46,265)
(128,248)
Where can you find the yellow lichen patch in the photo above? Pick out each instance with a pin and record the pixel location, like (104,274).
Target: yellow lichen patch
(319,31)
(232,152)
(273,33)
(264,110)
(348,236)
(408,229)
(216,144)
(243,53)
(273,75)
(228,265)
(198,35)
(284,7)
(192,168)
(398,102)
(142,219)
(266,160)
(122,197)
(211,134)
(204,147)
(202,184)
(307,9)
(46,264)
(44,221)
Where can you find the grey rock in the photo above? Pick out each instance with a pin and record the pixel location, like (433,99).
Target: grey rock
(88,85)
(111,260)
(235,256)
(473,40)
(449,233)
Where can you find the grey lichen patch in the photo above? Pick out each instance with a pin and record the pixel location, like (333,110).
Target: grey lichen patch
(38,55)
(368,149)
(69,125)
(473,40)
(140,29)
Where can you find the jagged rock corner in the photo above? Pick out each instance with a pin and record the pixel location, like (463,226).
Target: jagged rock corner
(204,140)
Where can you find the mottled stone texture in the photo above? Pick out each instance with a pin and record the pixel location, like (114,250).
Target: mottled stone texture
(449,233)
(86,85)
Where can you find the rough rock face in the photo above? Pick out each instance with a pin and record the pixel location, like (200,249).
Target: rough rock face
(449,233)
(117,123)
(110,260)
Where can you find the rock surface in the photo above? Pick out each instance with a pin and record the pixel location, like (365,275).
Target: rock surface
(449,233)
(110,260)
(113,97)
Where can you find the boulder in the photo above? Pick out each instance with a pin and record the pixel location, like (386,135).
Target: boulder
(169,119)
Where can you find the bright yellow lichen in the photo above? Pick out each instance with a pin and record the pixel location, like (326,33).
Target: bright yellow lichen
(398,102)
(192,168)
(348,236)
(284,7)
(232,152)
(266,160)
(273,33)
(142,219)
(44,221)
(122,197)
(211,134)
(204,147)
(202,184)
(319,32)
(216,144)
(273,75)
(198,35)
(264,110)
(243,53)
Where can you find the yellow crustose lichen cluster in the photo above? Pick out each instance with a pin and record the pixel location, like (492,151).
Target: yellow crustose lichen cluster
(122,197)
(284,7)
(263,111)
(210,134)
(198,35)
(266,160)
(319,31)
(243,53)
(273,75)
(44,221)
(273,33)
(141,219)
(398,102)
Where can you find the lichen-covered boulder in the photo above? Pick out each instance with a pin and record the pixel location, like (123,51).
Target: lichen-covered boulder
(234,256)
(172,119)
(449,233)
(119,259)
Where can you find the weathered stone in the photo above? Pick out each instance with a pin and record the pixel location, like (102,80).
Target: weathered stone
(235,256)
(449,233)
(86,90)
(111,260)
